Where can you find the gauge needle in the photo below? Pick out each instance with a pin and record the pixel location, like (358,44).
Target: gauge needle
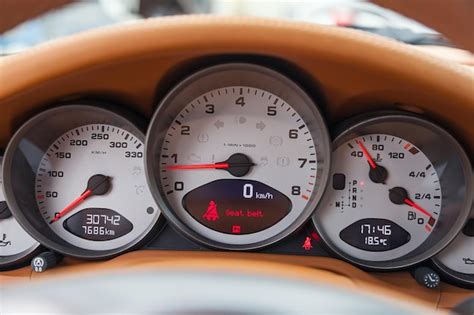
(399,195)
(237,164)
(198,166)
(416,206)
(96,185)
(377,173)
(367,154)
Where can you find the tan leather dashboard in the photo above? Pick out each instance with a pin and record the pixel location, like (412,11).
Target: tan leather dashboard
(357,72)
(135,64)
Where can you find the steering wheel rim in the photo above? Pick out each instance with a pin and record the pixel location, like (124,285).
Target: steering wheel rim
(203,287)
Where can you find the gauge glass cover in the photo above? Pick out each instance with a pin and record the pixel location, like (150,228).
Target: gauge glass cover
(399,191)
(77,181)
(237,156)
(16,246)
(456,261)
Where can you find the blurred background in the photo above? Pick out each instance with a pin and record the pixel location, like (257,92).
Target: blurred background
(69,17)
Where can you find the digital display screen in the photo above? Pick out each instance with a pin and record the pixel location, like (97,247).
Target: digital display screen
(236,206)
(375,235)
(98,224)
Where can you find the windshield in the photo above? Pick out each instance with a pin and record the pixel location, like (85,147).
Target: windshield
(78,16)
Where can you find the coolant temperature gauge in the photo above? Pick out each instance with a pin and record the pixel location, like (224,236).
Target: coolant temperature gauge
(382,207)
(391,200)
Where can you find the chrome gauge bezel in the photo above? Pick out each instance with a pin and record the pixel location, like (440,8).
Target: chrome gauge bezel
(39,133)
(453,276)
(19,259)
(220,76)
(428,137)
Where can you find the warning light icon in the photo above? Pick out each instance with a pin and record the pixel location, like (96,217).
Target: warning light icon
(307,243)
(236,229)
(211,212)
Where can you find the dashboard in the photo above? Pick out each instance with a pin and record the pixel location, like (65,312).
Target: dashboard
(244,149)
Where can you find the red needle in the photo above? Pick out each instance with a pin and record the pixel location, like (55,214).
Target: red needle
(72,205)
(417,207)
(97,185)
(198,166)
(238,164)
(366,154)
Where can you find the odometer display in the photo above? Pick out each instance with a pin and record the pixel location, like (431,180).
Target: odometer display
(98,224)
(237,156)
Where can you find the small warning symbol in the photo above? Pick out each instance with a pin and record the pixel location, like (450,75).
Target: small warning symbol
(211,212)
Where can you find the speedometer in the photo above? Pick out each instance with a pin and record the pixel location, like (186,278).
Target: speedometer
(75,179)
(237,156)
(400,190)
(89,168)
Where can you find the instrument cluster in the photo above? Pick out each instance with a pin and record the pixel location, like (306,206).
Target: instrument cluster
(238,157)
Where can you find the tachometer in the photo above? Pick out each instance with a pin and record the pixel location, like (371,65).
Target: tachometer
(399,191)
(237,156)
(77,182)
(16,246)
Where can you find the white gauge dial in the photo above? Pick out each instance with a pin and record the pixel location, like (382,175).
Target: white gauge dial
(15,243)
(386,229)
(243,159)
(398,192)
(456,261)
(13,239)
(91,188)
(280,146)
(459,255)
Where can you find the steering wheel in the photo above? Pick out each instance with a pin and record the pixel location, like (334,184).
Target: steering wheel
(204,287)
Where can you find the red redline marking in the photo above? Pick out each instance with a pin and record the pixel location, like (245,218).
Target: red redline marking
(406,146)
(427,228)
(431,221)
(40,197)
(305,197)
